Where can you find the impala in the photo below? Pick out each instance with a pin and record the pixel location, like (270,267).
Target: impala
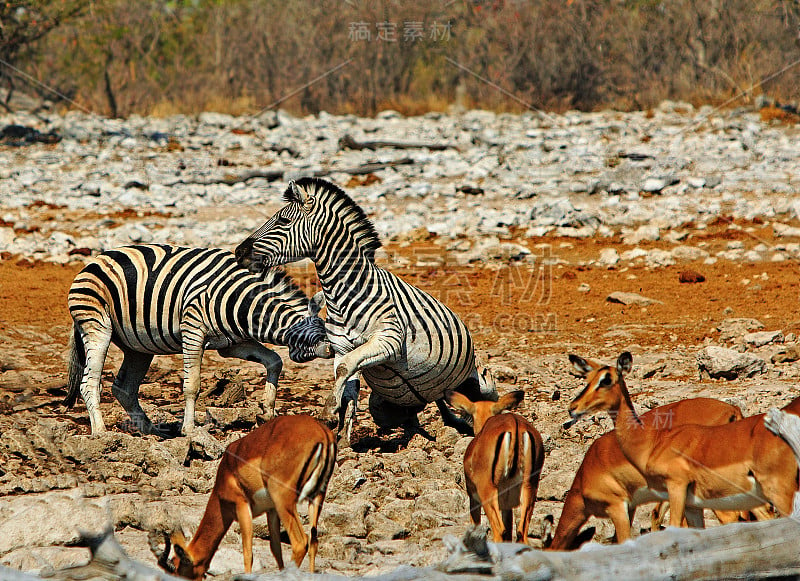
(608,486)
(737,466)
(502,464)
(282,462)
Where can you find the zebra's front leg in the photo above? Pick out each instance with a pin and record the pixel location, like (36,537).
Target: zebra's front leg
(375,351)
(126,389)
(256,352)
(348,410)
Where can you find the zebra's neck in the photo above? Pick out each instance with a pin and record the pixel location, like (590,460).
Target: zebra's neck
(348,278)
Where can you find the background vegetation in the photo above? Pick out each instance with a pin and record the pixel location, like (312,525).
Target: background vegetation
(165,56)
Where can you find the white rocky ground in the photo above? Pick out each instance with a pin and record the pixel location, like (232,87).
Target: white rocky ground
(646,176)
(585,174)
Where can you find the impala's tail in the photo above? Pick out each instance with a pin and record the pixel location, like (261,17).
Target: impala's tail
(77,363)
(317,471)
(505,458)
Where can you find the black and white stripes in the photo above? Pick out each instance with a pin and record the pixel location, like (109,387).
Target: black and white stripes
(159,299)
(409,347)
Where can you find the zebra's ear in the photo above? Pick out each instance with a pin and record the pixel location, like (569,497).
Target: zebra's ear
(295,193)
(316,304)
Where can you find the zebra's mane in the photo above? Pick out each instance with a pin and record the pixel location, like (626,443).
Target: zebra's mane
(284,284)
(361,226)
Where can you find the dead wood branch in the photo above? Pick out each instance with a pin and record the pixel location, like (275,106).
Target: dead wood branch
(275,175)
(348,142)
(109,561)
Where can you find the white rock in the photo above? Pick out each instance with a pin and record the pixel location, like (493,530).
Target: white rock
(761,338)
(688,253)
(643,233)
(221,120)
(7,237)
(737,327)
(656,258)
(608,257)
(654,185)
(785,230)
(634,253)
(752,256)
(721,362)
(626,298)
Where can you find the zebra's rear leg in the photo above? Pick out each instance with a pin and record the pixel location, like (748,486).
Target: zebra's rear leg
(451,419)
(96,338)
(126,389)
(257,353)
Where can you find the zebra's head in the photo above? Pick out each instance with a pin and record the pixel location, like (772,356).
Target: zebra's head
(318,218)
(307,338)
(286,237)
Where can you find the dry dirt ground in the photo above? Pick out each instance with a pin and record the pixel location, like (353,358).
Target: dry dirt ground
(526,318)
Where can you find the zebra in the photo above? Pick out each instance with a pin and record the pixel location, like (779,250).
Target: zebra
(409,348)
(153,299)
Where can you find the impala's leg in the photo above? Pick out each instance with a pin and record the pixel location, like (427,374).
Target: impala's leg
(474,503)
(256,352)
(314,508)
(275,536)
(96,337)
(677,491)
(490,501)
(126,388)
(245,517)
(657,516)
(573,516)
(508,523)
(621,518)
(727,516)
(779,489)
(297,536)
(193,339)
(527,499)
(762,513)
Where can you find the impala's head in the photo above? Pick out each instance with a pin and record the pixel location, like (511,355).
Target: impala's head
(307,339)
(181,563)
(481,411)
(603,383)
(318,217)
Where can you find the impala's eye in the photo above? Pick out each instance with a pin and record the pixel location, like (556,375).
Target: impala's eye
(605,381)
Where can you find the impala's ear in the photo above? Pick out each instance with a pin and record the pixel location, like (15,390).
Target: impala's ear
(580,364)
(508,402)
(624,362)
(461,402)
(316,304)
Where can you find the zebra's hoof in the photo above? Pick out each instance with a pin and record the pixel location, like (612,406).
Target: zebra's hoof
(343,441)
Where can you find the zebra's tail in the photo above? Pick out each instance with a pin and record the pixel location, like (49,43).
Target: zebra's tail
(77,363)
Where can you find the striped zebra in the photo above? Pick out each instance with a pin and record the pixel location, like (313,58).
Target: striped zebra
(409,348)
(154,299)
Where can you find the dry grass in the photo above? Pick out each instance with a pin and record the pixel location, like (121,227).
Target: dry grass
(239,56)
